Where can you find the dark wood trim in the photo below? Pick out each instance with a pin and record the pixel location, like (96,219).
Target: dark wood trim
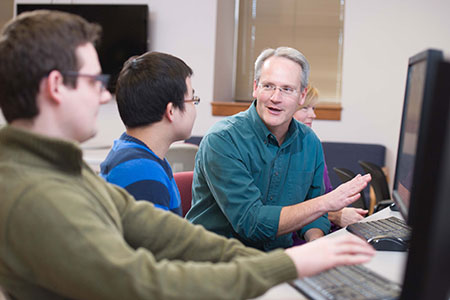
(220,108)
(324,111)
(328,111)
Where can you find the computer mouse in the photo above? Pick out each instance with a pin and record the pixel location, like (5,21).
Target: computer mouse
(388,243)
(393,207)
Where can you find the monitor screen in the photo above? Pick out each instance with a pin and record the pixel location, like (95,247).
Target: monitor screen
(124,34)
(421,70)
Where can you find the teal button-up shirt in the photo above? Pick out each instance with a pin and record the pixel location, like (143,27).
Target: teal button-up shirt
(243,178)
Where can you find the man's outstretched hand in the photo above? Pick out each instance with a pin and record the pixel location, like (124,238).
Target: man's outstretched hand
(346,193)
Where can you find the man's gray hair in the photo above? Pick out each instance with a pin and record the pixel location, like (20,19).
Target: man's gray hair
(289,53)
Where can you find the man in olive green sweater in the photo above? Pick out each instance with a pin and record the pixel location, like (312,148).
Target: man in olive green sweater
(65,233)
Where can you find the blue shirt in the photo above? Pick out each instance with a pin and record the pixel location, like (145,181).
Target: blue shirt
(133,166)
(243,178)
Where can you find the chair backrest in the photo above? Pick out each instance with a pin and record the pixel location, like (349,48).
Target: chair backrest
(181,156)
(184,183)
(347,175)
(195,139)
(379,180)
(338,154)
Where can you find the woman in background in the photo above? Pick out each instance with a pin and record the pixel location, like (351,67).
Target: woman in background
(306,115)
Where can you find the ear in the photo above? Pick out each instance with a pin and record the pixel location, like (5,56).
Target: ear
(302,96)
(53,86)
(170,112)
(255,86)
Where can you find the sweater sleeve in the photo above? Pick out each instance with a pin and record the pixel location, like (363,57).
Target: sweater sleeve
(122,249)
(168,236)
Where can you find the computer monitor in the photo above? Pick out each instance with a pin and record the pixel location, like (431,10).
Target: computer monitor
(423,166)
(427,273)
(124,34)
(417,113)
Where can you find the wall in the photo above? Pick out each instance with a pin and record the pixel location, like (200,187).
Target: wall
(379,36)
(190,32)
(6,13)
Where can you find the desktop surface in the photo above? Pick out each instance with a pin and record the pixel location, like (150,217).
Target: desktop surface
(389,264)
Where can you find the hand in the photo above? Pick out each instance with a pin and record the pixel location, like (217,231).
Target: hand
(313,234)
(346,193)
(326,253)
(347,216)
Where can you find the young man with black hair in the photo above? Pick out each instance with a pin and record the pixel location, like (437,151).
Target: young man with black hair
(157,105)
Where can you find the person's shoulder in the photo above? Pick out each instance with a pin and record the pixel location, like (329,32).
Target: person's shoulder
(132,162)
(232,123)
(305,130)
(228,128)
(128,150)
(306,134)
(40,187)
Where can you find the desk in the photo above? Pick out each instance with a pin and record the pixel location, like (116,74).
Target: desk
(389,264)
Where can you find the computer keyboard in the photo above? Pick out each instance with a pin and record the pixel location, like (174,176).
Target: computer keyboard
(348,282)
(390,234)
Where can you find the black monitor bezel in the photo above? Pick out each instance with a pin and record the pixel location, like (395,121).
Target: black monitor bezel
(432,57)
(427,273)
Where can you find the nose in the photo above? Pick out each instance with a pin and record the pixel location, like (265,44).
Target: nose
(276,95)
(312,113)
(105,96)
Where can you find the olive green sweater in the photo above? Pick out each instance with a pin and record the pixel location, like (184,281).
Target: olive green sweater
(65,233)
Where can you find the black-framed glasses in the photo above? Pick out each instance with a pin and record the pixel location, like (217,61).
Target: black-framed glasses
(103,78)
(195,100)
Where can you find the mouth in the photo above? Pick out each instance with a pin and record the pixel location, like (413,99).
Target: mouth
(274,110)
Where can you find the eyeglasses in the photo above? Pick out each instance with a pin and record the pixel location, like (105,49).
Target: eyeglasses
(270,88)
(195,100)
(103,78)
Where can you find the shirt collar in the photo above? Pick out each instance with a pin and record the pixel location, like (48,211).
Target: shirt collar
(129,138)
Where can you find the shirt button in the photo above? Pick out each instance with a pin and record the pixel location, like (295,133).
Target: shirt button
(271,197)
(276,173)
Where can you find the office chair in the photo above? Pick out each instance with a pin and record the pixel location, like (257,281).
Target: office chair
(195,139)
(347,175)
(181,156)
(379,184)
(184,183)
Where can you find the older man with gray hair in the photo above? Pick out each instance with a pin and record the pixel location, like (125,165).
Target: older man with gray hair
(259,174)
